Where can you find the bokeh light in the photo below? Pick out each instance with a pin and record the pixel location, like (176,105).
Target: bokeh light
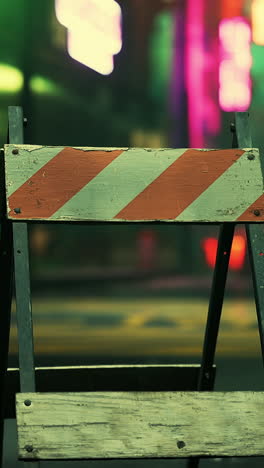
(11,79)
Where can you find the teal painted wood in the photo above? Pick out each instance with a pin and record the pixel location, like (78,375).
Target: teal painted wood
(139,425)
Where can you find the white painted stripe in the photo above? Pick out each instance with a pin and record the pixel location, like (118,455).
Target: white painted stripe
(119,183)
(230,195)
(22,166)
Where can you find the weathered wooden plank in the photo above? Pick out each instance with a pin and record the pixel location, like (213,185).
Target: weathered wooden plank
(130,184)
(140,424)
(108,378)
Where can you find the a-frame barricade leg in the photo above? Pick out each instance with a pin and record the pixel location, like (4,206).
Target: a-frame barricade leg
(15,136)
(255,232)
(24,313)
(206,382)
(6,276)
(225,240)
(255,238)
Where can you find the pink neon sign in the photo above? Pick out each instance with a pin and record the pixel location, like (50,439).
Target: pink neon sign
(194,71)
(200,70)
(94,31)
(235,64)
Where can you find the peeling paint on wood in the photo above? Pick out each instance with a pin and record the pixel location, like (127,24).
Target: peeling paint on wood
(135,185)
(140,425)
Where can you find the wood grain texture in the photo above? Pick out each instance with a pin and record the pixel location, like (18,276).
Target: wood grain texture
(140,425)
(133,184)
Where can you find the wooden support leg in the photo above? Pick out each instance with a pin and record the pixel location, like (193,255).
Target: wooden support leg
(23,310)
(6,282)
(206,381)
(215,307)
(255,233)
(255,239)
(19,246)
(15,135)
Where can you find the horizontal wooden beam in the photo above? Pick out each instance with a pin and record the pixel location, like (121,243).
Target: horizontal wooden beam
(108,378)
(133,185)
(140,425)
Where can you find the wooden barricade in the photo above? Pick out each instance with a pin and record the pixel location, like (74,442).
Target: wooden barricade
(102,412)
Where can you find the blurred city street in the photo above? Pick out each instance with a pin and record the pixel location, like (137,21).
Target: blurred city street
(137,328)
(98,331)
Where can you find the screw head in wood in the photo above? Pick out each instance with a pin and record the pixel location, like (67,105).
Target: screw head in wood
(27,402)
(232,127)
(251,156)
(29,448)
(180,444)
(15,151)
(17,210)
(256,212)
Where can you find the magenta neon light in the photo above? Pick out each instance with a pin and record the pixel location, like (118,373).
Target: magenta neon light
(235,64)
(195,63)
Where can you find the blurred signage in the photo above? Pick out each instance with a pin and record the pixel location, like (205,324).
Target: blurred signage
(257,17)
(195,65)
(201,72)
(231,8)
(235,64)
(94,31)
(147,246)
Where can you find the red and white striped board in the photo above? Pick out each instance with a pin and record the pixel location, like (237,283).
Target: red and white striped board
(130,184)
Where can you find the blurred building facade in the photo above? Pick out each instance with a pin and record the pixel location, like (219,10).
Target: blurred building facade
(174,84)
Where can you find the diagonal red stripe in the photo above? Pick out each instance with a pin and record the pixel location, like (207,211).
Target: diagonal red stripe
(257,207)
(179,185)
(57,182)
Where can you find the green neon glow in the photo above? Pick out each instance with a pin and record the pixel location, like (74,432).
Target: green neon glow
(258,60)
(161,52)
(41,85)
(257,73)
(11,79)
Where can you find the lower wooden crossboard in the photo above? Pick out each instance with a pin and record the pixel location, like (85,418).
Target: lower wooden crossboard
(140,425)
(118,378)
